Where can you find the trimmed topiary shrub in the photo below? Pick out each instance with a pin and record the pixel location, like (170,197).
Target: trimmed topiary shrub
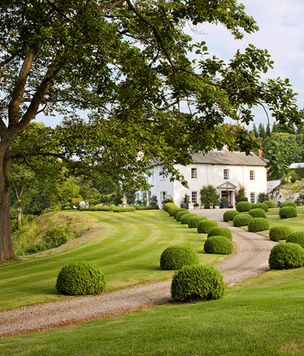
(288,212)
(180,214)
(242,220)
(185,218)
(230,214)
(194,221)
(278,232)
(220,231)
(260,206)
(80,278)
(204,226)
(258,224)
(219,245)
(168,206)
(195,283)
(270,203)
(176,257)
(286,255)
(243,206)
(287,203)
(172,211)
(175,212)
(257,213)
(296,237)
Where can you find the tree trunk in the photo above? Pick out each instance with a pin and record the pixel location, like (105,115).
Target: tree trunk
(19,214)
(6,248)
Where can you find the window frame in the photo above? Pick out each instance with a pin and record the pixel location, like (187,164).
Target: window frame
(226,173)
(193,173)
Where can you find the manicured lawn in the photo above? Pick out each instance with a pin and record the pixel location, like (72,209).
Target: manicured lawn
(263,316)
(296,224)
(128,251)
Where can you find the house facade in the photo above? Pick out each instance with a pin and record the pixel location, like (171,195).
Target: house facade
(226,171)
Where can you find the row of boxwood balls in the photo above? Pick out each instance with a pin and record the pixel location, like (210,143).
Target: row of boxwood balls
(219,239)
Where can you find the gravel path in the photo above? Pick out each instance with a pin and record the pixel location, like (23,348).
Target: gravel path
(249,259)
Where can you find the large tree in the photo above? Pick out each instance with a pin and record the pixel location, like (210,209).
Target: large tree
(128,63)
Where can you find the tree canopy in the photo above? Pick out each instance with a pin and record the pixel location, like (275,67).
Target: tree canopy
(129,64)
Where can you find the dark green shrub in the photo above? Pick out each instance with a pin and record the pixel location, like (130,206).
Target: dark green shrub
(204,226)
(55,237)
(286,255)
(180,214)
(120,209)
(296,237)
(220,231)
(242,220)
(175,212)
(258,224)
(270,204)
(263,206)
(146,207)
(176,257)
(192,283)
(219,245)
(230,214)
(172,211)
(185,218)
(278,232)
(243,199)
(288,212)
(287,203)
(80,278)
(243,206)
(194,221)
(167,206)
(257,213)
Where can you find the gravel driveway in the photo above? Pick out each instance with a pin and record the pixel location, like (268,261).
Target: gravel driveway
(249,259)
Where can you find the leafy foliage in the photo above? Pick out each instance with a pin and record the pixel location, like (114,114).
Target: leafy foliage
(80,278)
(257,213)
(219,245)
(209,195)
(279,232)
(263,206)
(197,283)
(288,212)
(243,206)
(194,221)
(229,215)
(242,220)
(205,226)
(258,224)
(286,255)
(296,237)
(270,204)
(176,257)
(185,218)
(220,231)
(180,213)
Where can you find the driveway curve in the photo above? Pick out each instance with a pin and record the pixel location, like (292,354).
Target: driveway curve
(249,260)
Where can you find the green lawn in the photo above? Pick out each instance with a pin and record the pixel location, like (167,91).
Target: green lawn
(128,251)
(263,316)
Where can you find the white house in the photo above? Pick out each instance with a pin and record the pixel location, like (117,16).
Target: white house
(227,171)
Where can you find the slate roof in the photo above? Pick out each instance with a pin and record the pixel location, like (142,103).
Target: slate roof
(228,159)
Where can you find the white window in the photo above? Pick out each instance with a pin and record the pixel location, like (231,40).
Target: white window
(194,197)
(162,196)
(193,173)
(252,197)
(226,174)
(252,175)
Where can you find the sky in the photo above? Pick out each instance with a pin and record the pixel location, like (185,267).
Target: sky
(281,33)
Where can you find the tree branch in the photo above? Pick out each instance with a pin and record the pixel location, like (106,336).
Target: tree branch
(2,64)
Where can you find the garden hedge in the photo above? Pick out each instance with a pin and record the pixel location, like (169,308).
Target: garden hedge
(243,206)
(279,232)
(173,211)
(260,206)
(194,221)
(204,226)
(242,220)
(185,218)
(196,283)
(257,213)
(287,203)
(180,213)
(270,203)
(286,255)
(288,212)
(80,278)
(258,224)
(167,206)
(218,245)
(176,257)
(230,214)
(296,237)
(220,231)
